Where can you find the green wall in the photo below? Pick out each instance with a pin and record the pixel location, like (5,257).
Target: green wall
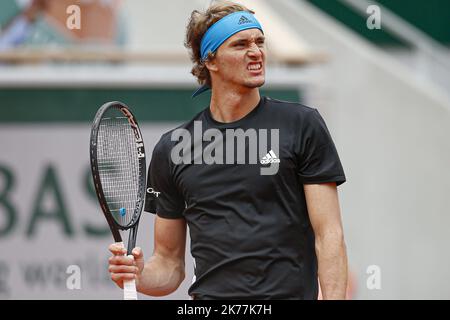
(430,16)
(81,104)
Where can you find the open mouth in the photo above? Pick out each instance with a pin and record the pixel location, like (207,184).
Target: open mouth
(254,66)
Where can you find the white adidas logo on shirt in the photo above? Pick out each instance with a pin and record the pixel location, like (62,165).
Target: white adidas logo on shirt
(271,157)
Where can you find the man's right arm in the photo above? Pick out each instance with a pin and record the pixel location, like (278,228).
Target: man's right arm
(163,273)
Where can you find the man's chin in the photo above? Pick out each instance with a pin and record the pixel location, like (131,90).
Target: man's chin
(255,84)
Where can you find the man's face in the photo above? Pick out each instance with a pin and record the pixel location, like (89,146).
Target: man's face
(240,60)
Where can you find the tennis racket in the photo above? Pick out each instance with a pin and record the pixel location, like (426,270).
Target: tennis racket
(118,168)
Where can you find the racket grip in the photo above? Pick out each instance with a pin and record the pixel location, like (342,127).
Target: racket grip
(129,290)
(129,286)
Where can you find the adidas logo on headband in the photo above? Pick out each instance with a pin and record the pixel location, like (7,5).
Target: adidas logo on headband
(243,20)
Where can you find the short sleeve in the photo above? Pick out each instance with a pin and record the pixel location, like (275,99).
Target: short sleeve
(162,196)
(318,159)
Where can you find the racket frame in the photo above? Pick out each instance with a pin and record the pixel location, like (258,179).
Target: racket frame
(113,225)
(129,285)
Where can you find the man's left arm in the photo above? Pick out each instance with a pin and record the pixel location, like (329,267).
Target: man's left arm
(324,213)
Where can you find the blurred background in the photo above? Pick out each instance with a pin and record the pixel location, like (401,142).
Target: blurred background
(378,72)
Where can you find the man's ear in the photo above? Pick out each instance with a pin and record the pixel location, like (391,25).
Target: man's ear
(211,65)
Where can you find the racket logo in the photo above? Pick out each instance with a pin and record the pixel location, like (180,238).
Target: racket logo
(137,134)
(152,191)
(140,148)
(129,116)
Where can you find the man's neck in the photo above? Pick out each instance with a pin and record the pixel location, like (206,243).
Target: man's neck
(229,106)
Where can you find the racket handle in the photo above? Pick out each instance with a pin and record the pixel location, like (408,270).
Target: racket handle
(129,286)
(129,290)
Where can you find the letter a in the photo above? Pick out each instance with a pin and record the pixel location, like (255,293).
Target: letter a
(374,280)
(374,20)
(74,280)
(74,20)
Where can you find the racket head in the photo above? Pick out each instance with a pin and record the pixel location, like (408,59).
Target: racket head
(118,165)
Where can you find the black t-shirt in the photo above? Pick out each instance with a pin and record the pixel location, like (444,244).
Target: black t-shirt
(251,236)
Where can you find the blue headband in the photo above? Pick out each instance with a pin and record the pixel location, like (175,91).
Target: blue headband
(220,31)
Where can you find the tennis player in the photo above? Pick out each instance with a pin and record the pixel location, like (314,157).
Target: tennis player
(254,178)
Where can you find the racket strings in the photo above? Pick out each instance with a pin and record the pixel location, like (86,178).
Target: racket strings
(118,166)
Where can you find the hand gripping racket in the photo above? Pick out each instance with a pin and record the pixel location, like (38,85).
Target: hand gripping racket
(118,168)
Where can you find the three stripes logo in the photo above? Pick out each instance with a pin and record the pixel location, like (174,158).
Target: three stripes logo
(243,20)
(271,157)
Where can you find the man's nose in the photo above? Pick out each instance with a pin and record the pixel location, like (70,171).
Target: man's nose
(254,50)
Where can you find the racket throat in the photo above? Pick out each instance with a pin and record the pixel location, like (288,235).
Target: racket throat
(132,239)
